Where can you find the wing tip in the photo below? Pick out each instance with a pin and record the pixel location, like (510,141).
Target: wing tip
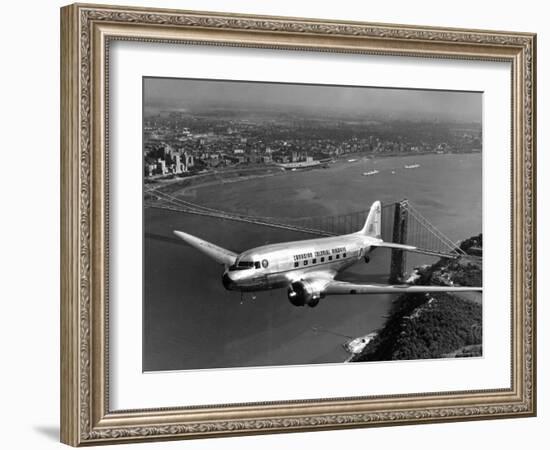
(188,238)
(180,234)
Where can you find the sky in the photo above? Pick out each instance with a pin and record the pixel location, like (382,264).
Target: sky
(189,94)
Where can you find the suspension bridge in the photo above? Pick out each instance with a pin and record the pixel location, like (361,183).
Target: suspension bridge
(401,223)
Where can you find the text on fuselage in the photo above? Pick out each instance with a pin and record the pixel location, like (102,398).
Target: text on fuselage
(308,255)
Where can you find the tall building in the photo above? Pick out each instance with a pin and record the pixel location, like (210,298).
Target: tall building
(179,166)
(150,169)
(162,164)
(188,161)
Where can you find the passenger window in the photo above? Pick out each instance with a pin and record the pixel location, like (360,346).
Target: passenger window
(330,258)
(323,259)
(305,262)
(296,264)
(314,261)
(337,256)
(344,255)
(257,264)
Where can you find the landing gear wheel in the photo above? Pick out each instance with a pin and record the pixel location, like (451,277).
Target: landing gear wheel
(313,302)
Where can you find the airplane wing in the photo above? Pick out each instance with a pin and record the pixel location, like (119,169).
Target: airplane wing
(342,287)
(317,276)
(218,254)
(309,290)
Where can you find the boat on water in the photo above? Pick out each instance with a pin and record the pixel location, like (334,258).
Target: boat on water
(352,160)
(357,345)
(412,166)
(370,172)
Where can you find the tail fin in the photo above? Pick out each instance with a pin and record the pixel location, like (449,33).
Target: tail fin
(373,224)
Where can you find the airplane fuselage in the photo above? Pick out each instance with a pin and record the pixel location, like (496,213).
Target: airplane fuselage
(308,268)
(275,266)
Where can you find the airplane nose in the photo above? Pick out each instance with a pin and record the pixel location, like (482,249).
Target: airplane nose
(227,282)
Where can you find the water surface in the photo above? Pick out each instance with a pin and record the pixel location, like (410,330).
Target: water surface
(191,322)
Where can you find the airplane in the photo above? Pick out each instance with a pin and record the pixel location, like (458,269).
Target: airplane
(308,268)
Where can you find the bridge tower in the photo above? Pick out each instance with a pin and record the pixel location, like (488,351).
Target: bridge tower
(398,257)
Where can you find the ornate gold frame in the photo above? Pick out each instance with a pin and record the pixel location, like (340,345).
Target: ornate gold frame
(86,31)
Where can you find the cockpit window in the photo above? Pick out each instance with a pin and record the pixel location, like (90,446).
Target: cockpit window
(242,265)
(245,264)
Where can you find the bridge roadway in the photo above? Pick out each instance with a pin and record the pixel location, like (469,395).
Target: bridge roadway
(180,205)
(248,219)
(187,206)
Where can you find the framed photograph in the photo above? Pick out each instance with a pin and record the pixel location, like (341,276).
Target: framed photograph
(274,224)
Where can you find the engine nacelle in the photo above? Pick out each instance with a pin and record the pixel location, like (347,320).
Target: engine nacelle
(301,293)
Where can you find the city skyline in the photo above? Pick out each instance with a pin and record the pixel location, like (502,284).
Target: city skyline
(171,94)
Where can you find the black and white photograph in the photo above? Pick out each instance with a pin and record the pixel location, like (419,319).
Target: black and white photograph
(292,224)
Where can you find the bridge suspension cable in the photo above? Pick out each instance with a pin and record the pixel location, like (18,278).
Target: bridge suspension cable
(420,232)
(176,204)
(435,238)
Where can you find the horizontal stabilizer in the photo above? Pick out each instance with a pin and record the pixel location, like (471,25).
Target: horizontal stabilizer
(218,254)
(409,248)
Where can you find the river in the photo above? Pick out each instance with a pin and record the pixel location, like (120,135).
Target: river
(191,322)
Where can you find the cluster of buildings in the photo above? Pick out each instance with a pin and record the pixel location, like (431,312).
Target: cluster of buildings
(182,143)
(166,160)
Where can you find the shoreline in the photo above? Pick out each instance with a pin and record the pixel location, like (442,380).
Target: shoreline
(220,177)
